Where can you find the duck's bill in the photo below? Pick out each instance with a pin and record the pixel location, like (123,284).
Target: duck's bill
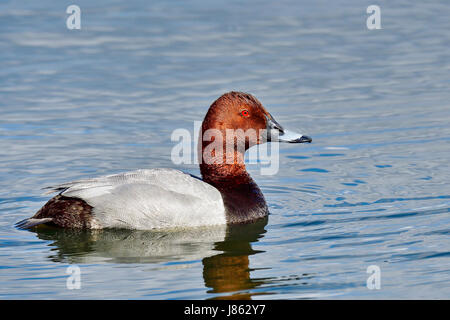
(276,133)
(293,137)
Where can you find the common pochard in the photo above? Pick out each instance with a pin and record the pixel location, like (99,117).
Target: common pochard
(168,198)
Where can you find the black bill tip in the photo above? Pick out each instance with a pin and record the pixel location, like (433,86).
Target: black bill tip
(302,139)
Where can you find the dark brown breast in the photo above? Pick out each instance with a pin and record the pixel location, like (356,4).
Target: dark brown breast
(243,200)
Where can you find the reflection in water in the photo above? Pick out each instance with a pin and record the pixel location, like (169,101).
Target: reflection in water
(229,271)
(224,251)
(132,246)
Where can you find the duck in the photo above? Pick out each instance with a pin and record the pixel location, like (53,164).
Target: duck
(167,198)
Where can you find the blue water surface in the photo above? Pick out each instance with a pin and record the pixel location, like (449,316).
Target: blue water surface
(372,188)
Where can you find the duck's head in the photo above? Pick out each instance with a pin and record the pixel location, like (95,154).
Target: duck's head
(244,116)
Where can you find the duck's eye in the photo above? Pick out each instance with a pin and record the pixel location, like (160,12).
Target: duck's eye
(245,113)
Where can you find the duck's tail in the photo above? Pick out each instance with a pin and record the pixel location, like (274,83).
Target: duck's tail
(30,222)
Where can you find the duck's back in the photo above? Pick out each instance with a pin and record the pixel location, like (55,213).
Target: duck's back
(142,199)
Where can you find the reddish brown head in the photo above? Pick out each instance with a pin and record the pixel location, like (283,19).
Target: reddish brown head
(237,111)
(235,122)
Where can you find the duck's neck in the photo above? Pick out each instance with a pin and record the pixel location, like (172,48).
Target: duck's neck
(243,200)
(222,170)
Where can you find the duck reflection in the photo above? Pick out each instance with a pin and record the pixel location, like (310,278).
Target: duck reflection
(229,271)
(224,251)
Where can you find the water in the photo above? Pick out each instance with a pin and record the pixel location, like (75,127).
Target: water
(372,188)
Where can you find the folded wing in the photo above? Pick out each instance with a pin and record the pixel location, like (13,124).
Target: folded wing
(148,199)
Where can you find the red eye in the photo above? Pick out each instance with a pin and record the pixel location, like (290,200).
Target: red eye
(245,113)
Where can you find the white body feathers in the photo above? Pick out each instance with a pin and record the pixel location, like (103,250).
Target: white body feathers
(148,199)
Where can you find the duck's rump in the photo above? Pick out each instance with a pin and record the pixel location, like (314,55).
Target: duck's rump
(61,211)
